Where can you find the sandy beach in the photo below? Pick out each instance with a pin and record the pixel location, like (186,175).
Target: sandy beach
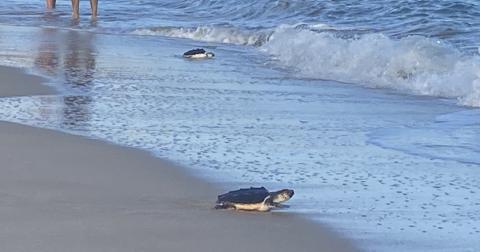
(60,192)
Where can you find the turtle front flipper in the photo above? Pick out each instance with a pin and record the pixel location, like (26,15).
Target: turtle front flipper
(279,206)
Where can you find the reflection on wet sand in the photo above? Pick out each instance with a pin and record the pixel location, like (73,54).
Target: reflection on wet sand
(48,56)
(76,113)
(79,60)
(70,56)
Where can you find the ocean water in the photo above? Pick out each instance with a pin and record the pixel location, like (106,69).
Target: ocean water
(367,109)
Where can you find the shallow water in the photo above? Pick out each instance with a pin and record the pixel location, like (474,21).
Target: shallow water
(453,21)
(427,47)
(392,171)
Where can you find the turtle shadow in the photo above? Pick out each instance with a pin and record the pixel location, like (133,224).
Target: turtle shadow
(281,206)
(277,207)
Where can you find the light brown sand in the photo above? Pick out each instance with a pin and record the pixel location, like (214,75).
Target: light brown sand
(60,192)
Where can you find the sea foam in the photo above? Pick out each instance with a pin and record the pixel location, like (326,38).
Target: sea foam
(216,34)
(413,64)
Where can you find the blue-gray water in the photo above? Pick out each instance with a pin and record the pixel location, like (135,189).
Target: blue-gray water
(449,20)
(394,166)
(417,47)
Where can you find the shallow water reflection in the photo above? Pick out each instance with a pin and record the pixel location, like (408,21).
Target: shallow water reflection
(47,58)
(76,112)
(69,56)
(79,60)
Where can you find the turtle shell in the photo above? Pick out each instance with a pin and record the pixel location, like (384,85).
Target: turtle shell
(194,51)
(244,195)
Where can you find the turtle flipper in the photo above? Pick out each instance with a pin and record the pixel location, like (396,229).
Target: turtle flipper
(279,206)
(224,205)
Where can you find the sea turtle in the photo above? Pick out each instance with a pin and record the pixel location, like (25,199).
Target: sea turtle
(198,54)
(253,199)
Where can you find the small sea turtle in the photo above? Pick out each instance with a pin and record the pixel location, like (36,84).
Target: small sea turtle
(198,54)
(253,199)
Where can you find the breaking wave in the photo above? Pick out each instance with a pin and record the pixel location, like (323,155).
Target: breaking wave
(413,64)
(216,34)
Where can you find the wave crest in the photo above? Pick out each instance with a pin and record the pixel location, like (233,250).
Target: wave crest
(228,35)
(413,64)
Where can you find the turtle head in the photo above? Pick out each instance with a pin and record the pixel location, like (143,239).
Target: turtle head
(282,195)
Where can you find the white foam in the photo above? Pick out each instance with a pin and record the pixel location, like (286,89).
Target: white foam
(413,64)
(209,34)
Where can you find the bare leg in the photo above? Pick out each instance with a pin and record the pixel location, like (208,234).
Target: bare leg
(93,5)
(51,4)
(75,8)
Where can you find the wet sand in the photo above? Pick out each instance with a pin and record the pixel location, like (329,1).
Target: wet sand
(15,82)
(60,192)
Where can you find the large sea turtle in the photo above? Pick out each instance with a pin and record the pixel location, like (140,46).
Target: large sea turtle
(253,199)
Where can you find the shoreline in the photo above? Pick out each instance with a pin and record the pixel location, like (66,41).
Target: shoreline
(66,192)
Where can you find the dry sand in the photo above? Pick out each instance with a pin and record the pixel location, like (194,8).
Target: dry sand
(60,192)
